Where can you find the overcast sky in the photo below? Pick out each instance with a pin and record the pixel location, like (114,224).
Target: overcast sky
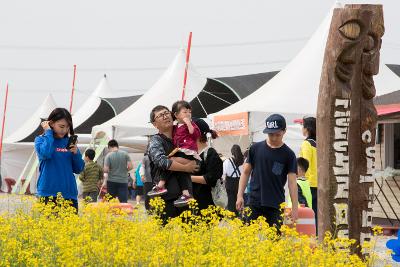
(133,41)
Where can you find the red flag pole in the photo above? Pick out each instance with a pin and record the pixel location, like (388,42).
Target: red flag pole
(4,121)
(73,90)
(187,65)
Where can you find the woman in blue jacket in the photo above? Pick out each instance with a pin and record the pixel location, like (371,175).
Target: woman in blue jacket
(57,162)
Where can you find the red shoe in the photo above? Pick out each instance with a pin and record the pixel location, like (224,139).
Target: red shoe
(182,201)
(157,191)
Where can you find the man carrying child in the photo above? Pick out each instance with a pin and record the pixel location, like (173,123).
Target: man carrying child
(160,146)
(185,134)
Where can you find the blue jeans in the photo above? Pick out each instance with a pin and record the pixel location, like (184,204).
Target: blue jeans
(131,193)
(118,190)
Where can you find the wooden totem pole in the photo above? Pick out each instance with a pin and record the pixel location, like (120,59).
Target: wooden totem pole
(346,122)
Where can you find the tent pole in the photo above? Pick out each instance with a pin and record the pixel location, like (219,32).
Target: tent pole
(187,65)
(3,123)
(250,132)
(73,90)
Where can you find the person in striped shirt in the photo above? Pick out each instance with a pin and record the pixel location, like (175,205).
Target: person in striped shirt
(91,176)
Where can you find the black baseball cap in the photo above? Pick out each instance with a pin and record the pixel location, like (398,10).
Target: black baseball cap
(274,123)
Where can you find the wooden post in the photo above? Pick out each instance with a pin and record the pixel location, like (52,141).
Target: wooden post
(346,121)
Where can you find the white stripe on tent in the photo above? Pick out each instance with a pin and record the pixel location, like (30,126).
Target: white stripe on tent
(201,104)
(204,91)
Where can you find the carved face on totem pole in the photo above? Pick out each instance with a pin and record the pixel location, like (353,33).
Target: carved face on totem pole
(351,32)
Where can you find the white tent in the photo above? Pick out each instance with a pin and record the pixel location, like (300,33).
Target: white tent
(101,106)
(293,92)
(18,147)
(135,120)
(29,130)
(92,103)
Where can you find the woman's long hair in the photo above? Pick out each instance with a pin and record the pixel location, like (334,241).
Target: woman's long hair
(204,137)
(310,123)
(59,114)
(205,130)
(237,154)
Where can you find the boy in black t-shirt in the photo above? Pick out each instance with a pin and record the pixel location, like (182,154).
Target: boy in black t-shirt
(271,163)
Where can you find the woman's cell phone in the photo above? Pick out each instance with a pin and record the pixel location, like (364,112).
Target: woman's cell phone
(72,141)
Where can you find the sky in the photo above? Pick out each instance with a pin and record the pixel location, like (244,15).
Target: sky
(134,41)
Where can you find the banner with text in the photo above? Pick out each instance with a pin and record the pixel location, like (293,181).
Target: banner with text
(232,124)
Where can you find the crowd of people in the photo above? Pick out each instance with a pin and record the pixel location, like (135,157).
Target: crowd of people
(179,165)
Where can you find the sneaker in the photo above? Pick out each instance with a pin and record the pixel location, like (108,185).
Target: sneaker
(157,191)
(182,201)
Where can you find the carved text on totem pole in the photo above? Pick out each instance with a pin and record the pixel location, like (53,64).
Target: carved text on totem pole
(341,168)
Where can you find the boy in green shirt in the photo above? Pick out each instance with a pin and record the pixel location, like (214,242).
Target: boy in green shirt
(91,176)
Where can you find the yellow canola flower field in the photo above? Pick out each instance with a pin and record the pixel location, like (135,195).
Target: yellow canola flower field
(53,235)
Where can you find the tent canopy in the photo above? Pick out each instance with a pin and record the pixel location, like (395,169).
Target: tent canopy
(220,93)
(100,107)
(394,68)
(165,91)
(245,85)
(31,128)
(205,95)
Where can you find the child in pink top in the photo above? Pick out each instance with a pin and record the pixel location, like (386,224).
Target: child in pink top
(185,133)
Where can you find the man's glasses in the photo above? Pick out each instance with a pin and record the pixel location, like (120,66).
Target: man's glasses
(164,115)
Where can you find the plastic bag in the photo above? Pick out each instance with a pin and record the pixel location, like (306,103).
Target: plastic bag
(219,195)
